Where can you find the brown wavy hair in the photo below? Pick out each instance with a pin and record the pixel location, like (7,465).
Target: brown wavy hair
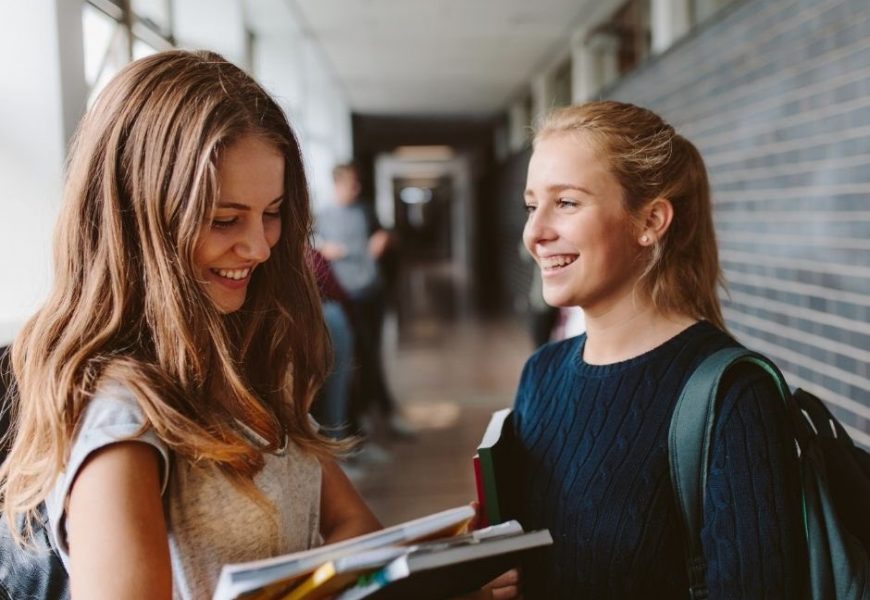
(126,303)
(650,160)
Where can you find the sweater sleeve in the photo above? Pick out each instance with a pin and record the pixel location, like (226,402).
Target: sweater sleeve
(752,535)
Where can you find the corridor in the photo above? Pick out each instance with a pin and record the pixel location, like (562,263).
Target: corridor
(448,378)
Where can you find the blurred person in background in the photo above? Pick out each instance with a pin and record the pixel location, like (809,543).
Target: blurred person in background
(332,404)
(349,236)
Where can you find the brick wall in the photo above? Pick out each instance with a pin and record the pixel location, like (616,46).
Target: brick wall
(776,95)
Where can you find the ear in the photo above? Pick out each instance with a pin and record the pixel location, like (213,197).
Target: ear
(657,217)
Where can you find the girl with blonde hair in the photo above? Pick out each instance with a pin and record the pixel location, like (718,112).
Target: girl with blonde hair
(620,224)
(164,386)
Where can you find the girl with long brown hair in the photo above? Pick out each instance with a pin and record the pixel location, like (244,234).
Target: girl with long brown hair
(620,224)
(163,389)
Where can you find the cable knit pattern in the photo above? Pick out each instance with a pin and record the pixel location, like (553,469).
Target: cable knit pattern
(594,457)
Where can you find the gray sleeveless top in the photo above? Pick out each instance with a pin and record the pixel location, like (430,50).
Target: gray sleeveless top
(210,522)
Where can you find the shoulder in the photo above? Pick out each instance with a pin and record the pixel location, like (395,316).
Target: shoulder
(557,355)
(112,406)
(551,363)
(327,213)
(750,396)
(112,415)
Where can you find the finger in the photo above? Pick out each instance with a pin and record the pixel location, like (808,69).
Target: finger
(510,578)
(474,523)
(505,593)
(478,595)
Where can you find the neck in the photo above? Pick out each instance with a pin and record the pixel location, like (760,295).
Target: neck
(629,328)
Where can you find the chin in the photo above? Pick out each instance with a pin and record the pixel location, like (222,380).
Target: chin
(557,300)
(226,307)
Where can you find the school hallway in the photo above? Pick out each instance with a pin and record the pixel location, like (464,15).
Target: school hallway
(448,377)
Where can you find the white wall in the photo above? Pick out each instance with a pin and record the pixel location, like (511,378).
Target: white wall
(217,25)
(292,67)
(42,96)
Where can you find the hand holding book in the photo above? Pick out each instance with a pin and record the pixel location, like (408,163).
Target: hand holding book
(429,558)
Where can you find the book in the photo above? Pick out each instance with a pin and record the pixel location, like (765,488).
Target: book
(482,520)
(495,470)
(336,575)
(445,569)
(274,577)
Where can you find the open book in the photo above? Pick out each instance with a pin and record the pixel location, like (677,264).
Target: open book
(495,470)
(275,577)
(445,569)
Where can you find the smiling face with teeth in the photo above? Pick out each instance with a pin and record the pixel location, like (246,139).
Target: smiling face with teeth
(246,223)
(577,229)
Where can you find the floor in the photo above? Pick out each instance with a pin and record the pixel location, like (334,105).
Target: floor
(448,377)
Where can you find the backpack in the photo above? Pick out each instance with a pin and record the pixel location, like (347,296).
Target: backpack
(35,571)
(835,480)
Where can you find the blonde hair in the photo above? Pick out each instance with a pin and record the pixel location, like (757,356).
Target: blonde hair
(126,303)
(650,160)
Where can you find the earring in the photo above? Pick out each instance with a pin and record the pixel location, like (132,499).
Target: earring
(644,239)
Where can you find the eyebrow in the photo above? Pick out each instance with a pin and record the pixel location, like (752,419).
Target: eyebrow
(239,206)
(560,187)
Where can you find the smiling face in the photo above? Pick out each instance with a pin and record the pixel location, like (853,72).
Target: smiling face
(246,223)
(577,229)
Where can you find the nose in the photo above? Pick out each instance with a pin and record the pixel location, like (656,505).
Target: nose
(253,244)
(538,229)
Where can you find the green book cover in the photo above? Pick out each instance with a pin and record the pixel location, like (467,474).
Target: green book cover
(498,469)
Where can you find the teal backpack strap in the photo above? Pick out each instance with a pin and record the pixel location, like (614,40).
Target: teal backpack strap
(689,448)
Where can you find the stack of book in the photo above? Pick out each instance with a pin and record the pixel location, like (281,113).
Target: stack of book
(428,558)
(495,468)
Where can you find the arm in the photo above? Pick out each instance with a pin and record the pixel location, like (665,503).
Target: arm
(379,242)
(343,513)
(116,526)
(753,534)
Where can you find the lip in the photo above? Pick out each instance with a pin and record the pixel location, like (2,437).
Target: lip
(232,284)
(545,274)
(550,273)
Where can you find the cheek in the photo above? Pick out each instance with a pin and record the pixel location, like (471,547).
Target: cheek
(200,252)
(273,233)
(210,247)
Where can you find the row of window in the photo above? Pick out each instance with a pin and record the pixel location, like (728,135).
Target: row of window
(619,45)
(118,31)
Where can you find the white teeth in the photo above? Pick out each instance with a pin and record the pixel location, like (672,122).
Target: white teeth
(232,273)
(554,262)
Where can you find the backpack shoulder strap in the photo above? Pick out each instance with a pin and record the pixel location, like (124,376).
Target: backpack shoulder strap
(689,448)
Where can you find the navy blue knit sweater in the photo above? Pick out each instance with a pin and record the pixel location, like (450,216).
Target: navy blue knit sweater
(594,457)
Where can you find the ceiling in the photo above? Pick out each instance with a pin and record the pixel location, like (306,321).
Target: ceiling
(437,57)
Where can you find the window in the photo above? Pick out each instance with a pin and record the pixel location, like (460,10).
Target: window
(562,84)
(631,26)
(114,35)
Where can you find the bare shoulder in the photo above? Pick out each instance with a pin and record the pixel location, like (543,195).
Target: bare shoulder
(115,524)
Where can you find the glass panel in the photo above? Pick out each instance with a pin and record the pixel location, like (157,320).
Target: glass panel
(154,13)
(99,29)
(114,59)
(631,25)
(562,85)
(142,49)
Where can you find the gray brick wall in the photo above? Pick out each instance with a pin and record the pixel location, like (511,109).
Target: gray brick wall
(776,95)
